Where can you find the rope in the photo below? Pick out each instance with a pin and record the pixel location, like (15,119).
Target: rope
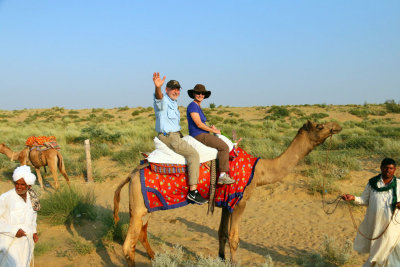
(31,245)
(5,254)
(339,198)
(213,182)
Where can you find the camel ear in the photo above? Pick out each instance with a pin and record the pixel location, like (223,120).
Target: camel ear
(308,125)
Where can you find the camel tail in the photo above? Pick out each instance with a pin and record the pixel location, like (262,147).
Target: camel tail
(61,166)
(117,194)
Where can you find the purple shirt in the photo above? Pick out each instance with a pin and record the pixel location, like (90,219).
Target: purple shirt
(193,129)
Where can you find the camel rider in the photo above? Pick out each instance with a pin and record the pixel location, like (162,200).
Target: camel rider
(381,195)
(18,212)
(168,129)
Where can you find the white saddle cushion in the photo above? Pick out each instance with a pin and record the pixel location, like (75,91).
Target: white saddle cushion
(163,154)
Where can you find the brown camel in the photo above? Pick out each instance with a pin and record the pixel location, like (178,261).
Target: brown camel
(50,157)
(267,171)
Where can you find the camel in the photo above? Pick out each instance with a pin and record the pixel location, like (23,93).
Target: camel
(50,157)
(267,171)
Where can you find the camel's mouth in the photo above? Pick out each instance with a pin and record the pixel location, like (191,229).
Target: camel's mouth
(336,130)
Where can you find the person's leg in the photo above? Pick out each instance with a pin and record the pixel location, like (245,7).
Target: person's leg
(180,146)
(223,155)
(223,149)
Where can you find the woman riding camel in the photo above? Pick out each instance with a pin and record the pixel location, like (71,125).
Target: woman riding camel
(202,133)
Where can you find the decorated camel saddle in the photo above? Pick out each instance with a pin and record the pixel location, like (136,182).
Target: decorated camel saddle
(164,181)
(42,143)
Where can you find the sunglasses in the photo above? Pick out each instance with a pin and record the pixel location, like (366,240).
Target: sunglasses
(200,93)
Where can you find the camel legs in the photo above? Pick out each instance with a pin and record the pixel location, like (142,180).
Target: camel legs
(143,239)
(137,230)
(229,228)
(64,173)
(39,176)
(52,163)
(223,232)
(129,247)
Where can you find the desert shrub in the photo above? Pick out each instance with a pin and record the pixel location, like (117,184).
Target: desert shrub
(334,253)
(391,106)
(177,258)
(369,143)
(122,109)
(135,113)
(113,232)
(221,111)
(323,105)
(58,109)
(68,205)
(212,105)
(297,112)
(214,119)
(98,135)
(96,110)
(277,112)
(230,121)
(318,182)
(81,246)
(359,112)
(100,150)
(73,112)
(388,131)
(42,247)
(130,156)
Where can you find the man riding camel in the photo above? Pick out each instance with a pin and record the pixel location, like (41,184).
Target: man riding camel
(168,129)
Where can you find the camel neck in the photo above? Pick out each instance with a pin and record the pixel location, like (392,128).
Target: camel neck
(284,163)
(9,153)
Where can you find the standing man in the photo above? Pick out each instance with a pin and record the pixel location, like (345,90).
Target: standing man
(168,129)
(381,195)
(18,220)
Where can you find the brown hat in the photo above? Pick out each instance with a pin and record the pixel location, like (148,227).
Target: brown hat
(199,88)
(172,84)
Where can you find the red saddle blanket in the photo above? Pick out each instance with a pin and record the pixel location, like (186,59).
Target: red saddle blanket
(163,191)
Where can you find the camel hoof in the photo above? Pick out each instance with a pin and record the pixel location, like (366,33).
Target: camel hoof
(221,256)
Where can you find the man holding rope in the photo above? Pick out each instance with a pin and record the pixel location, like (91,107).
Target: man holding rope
(18,212)
(379,233)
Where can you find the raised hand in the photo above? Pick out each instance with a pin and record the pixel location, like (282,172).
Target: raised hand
(158,82)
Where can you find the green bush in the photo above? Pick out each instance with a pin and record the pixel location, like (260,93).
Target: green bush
(80,246)
(212,105)
(100,150)
(135,113)
(97,135)
(336,253)
(67,206)
(277,112)
(388,131)
(359,112)
(123,109)
(113,232)
(392,107)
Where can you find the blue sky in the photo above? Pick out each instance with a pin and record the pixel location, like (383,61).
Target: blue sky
(91,54)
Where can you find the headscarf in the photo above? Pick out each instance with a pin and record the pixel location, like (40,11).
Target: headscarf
(24,172)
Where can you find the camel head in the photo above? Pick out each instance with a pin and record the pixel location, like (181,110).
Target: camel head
(317,133)
(2,146)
